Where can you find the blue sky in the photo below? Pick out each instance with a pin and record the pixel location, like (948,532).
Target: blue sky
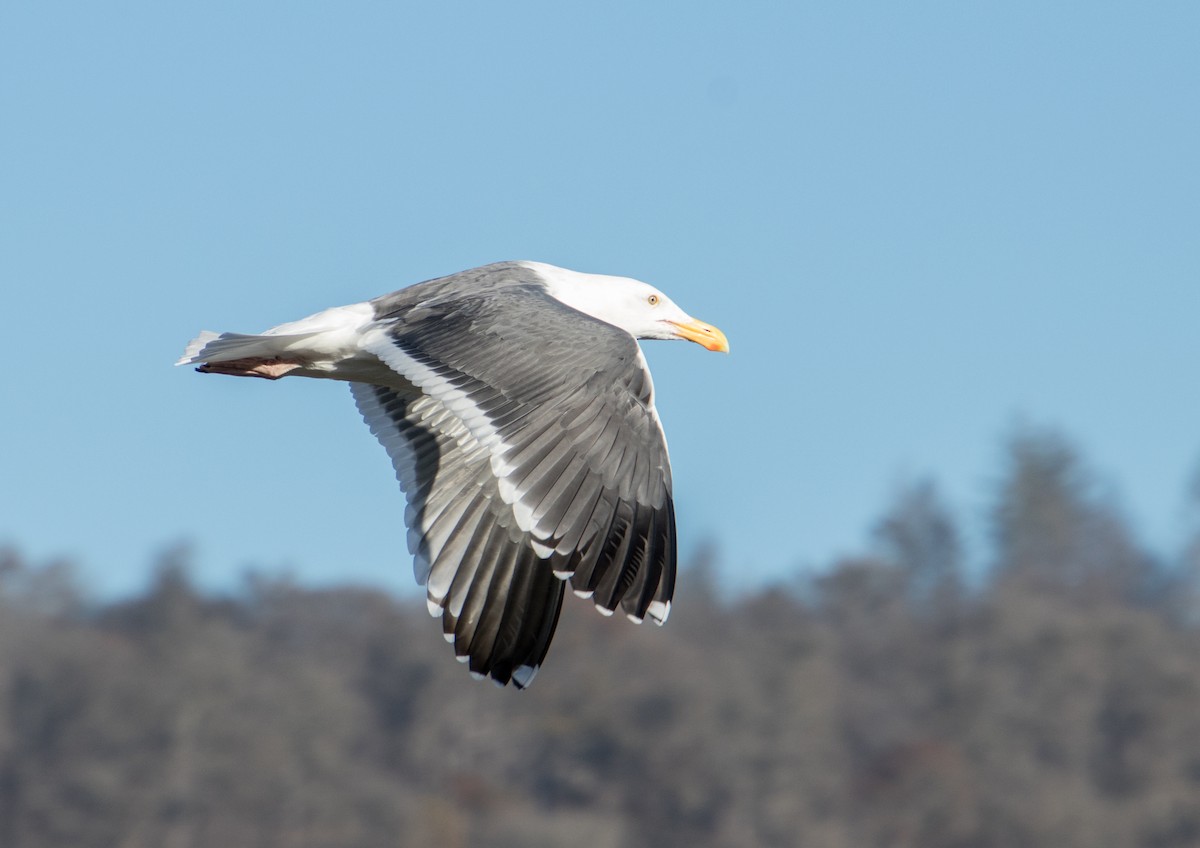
(917,223)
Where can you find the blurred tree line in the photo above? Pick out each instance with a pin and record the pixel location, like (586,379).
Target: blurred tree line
(898,699)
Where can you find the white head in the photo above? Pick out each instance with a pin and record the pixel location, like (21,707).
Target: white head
(636,307)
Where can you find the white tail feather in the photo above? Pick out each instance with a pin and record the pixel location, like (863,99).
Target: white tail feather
(333,334)
(210,347)
(192,352)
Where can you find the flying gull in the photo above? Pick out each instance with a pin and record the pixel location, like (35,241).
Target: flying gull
(518,412)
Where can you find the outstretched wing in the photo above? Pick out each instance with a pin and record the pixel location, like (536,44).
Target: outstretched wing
(561,407)
(498,601)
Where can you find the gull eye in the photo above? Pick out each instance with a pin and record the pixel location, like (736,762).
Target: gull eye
(652,300)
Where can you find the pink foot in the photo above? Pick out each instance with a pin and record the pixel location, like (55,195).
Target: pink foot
(268,369)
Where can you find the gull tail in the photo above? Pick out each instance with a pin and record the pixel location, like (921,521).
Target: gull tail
(331,335)
(322,345)
(227,347)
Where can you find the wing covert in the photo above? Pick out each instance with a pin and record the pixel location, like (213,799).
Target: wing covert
(563,405)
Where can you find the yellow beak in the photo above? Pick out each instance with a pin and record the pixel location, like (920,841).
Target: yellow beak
(705,335)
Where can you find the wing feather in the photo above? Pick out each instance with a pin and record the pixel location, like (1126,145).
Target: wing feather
(525,437)
(464,537)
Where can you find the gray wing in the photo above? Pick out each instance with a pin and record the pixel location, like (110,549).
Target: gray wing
(559,407)
(499,603)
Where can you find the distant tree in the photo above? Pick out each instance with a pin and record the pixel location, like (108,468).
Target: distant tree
(918,536)
(1182,589)
(1056,529)
(51,588)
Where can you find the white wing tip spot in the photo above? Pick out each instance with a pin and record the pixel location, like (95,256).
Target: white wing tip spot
(635,619)
(434,606)
(449,637)
(524,515)
(475,675)
(604,611)
(583,593)
(658,611)
(563,575)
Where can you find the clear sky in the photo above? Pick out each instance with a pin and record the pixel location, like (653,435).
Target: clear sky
(916,222)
